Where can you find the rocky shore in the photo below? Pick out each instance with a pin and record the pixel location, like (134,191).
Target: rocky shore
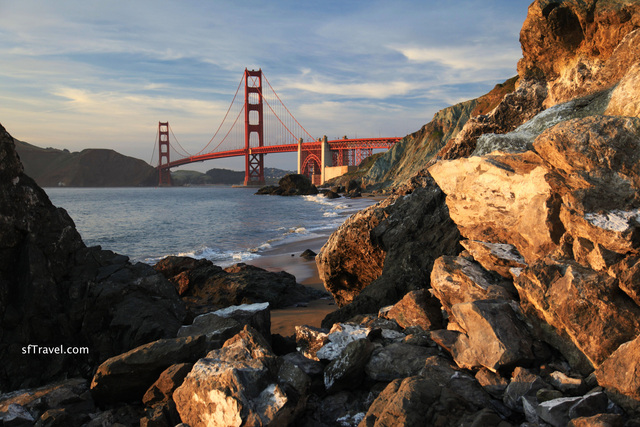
(498,286)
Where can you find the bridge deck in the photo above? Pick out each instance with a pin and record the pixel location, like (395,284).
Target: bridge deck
(335,145)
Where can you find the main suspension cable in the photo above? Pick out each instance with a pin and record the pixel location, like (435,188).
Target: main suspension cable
(223,120)
(285,107)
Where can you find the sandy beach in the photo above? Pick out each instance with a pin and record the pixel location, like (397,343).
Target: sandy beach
(287,258)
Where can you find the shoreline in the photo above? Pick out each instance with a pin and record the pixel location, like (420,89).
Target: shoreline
(287,258)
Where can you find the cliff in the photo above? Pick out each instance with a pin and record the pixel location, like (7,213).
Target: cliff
(51,167)
(414,151)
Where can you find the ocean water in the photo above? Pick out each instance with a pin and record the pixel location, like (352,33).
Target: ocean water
(224,224)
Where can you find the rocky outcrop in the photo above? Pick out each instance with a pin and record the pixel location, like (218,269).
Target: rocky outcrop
(291,185)
(578,47)
(559,190)
(411,154)
(571,49)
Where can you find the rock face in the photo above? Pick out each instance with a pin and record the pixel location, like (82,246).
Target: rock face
(54,291)
(577,47)
(409,249)
(543,190)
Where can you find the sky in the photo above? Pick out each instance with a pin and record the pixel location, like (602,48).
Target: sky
(102,74)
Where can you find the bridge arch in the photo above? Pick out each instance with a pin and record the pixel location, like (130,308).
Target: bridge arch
(311,166)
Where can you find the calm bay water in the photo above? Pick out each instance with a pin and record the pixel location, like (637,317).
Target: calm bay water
(223,224)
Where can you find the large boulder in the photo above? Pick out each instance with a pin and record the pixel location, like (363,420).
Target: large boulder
(224,323)
(502,198)
(440,395)
(238,385)
(455,280)
(410,232)
(597,177)
(417,308)
(494,338)
(350,259)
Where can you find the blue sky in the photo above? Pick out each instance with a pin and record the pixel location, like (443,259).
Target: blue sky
(101,74)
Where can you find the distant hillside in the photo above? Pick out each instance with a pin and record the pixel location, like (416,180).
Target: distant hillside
(222,177)
(51,167)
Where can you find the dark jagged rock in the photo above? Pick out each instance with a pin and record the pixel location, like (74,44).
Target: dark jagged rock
(308,254)
(204,285)
(126,377)
(330,194)
(291,185)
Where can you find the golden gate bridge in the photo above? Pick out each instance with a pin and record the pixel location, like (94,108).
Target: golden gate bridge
(250,130)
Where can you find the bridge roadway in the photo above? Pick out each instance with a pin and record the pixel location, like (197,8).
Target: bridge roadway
(335,145)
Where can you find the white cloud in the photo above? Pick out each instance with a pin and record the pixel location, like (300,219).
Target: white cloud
(462,57)
(374,90)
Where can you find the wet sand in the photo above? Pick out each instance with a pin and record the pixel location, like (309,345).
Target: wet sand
(287,258)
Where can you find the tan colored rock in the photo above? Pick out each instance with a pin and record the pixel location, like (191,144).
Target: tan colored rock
(498,257)
(578,47)
(417,308)
(455,280)
(582,305)
(501,198)
(619,374)
(494,336)
(236,385)
(596,165)
(624,99)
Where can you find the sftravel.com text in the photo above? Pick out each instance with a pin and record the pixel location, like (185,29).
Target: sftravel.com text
(61,349)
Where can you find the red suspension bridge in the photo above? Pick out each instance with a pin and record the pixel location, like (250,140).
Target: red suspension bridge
(249,129)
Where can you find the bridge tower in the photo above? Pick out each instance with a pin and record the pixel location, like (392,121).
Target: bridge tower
(164,174)
(253,124)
